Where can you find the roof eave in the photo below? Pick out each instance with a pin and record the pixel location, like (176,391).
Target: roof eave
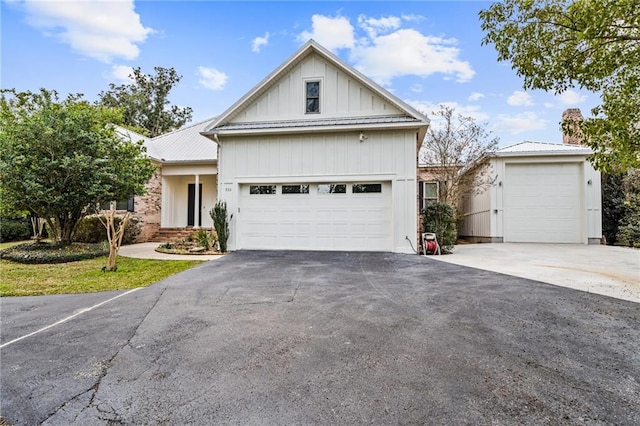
(581,153)
(316,129)
(190,162)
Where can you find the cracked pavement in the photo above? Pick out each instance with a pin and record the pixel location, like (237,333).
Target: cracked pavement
(320,337)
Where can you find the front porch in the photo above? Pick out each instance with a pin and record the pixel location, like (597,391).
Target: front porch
(188,196)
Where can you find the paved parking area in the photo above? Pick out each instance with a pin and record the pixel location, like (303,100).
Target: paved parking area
(607,270)
(326,338)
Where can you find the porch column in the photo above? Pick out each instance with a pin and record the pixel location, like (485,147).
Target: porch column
(196,205)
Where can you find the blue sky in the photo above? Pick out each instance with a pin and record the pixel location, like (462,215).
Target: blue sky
(427,53)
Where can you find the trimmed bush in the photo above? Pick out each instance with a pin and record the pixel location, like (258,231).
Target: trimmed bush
(440,219)
(53,253)
(92,231)
(15,229)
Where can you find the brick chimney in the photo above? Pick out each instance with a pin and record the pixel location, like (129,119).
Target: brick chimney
(572,115)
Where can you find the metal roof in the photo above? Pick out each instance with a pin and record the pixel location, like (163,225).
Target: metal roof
(533,148)
(319,123)
(185,145)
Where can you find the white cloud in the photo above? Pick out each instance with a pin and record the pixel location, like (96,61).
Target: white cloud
(101,30)
(571,97)
(519,123)
(258,42)
(119,73)
(374,26)
(519,98)
(212,78)
(332,33)
(408,52)
(548,105)
(429,108)
(475,96)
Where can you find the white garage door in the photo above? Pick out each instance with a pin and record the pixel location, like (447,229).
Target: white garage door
(315,216)
(543,203)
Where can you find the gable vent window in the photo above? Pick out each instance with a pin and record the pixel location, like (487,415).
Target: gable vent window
(313,97)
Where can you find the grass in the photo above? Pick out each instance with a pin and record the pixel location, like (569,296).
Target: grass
(85,276)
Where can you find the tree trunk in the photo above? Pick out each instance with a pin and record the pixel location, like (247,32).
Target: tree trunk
(114,235)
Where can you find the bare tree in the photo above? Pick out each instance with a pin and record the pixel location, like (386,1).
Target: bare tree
(452,147)
(115,233)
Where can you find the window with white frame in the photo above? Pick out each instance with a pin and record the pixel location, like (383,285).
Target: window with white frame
(312,91)
(429,192)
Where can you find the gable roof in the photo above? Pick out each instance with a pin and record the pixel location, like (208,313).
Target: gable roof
(412,118)
(185,145)
(541,148)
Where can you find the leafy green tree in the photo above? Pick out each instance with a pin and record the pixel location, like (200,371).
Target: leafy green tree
(614,210)
(58,158)
(146,102)
(629,229)
(595,45)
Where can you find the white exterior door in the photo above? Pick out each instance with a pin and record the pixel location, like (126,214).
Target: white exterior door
(543,203)
(316,216)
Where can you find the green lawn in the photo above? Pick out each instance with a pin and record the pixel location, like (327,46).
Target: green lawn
(85,276)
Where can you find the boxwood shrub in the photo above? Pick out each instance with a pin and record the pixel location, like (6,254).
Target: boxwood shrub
(92,231)
(15,229)
(53,253)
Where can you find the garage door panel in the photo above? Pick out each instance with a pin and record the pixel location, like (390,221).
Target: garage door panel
(543,203)
(318,221)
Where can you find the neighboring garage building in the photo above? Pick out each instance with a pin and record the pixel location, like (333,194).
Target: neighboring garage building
(540,193)
(319,157)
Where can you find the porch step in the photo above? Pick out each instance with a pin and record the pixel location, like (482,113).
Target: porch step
(171,235)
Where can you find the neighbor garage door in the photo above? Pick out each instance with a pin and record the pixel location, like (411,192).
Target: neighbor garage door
(543,203)
(315,216)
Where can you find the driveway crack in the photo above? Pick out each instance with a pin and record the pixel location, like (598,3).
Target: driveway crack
(104,367)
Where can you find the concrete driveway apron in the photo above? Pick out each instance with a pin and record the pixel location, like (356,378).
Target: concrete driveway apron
(339,338)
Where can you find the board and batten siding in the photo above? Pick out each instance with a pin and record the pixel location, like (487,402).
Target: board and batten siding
(340,96)
(484,212)
(387,156)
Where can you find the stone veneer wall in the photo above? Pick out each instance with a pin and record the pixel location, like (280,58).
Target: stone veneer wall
(147,207)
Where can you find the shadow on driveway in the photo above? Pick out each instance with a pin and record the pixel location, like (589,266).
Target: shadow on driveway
(338,338)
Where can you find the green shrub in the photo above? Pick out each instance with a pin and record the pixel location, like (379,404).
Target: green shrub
(629,234)
(203,238)
(15,229)
(92,231)
(440,219)
(53,253)
(221,224)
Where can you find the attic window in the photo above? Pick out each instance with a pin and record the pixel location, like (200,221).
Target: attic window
(313,97)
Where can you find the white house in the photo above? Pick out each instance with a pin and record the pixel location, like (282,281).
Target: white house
(318,157)
(540,193)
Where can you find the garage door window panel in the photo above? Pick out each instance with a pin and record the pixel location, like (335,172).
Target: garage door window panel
(295,189)
(367,188)
(262,189)
(334,188)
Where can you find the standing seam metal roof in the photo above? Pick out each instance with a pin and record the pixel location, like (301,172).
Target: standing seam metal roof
(184,145)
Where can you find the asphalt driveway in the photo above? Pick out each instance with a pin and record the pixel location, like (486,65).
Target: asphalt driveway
(324,338)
